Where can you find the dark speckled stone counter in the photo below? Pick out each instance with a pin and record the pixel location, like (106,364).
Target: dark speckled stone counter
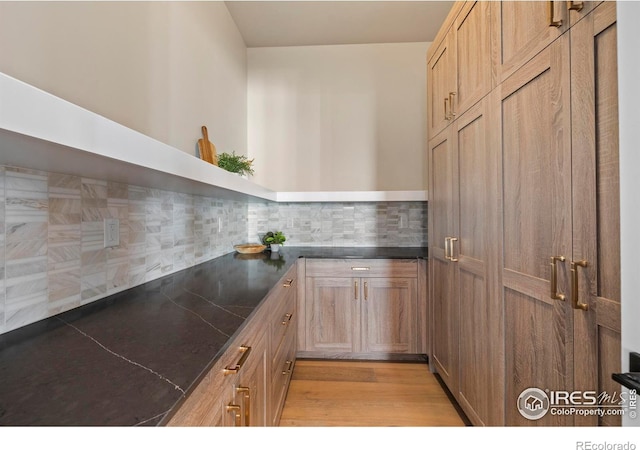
(130,359)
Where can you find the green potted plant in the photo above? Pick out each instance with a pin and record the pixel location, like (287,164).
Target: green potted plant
(239,164)
(274,239)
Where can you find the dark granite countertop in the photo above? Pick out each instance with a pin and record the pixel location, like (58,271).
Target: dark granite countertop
(131,358)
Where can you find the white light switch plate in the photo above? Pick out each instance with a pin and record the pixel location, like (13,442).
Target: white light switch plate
(111,233)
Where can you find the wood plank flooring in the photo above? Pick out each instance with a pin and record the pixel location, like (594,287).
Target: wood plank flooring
(366,393)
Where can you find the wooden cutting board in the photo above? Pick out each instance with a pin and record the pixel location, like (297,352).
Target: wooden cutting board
(206,148)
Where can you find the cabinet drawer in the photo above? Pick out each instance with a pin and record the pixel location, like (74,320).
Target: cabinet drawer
(283,318)
(282,369)
(362,268)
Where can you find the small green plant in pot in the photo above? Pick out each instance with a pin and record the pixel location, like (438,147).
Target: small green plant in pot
(239,164)
(274,239)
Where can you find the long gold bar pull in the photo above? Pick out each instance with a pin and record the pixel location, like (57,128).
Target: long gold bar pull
(574,284)
(446,248)
(287,371)
(237,418)
(355,290)
(446,114)
(237,366)
(451,241)
(246,400)
(366,291)
(575,6)
(552,16)
(554,278)
(452,112)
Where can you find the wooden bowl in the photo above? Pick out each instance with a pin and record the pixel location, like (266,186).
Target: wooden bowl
(247,249)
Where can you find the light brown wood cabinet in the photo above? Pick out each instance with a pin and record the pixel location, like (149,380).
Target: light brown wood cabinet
(524,218)
(466,312)
(459,68)
(247,386)
(362,308)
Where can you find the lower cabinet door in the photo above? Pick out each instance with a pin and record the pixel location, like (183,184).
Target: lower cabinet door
(332,315)
(389,315)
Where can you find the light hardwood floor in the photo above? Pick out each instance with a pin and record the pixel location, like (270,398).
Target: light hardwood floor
(366,393)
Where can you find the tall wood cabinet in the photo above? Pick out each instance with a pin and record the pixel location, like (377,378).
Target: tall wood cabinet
(524,216)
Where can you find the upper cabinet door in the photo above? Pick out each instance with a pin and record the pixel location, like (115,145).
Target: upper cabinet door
(441,79)
(472,35)
(523,29)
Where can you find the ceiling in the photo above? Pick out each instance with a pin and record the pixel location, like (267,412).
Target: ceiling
(293,23)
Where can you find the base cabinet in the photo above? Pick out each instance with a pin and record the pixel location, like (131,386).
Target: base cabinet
(247,386)
(351,309)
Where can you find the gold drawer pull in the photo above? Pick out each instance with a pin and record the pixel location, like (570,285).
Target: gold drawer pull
(574,284)
(287,319)
(554,278)
(237,366)
(237,419)
(287,371)
(288,283)
(246,400)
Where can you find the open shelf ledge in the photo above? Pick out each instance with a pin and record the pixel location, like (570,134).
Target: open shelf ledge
(41,131)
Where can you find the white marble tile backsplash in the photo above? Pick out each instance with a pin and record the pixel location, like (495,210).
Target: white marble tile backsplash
(52,255)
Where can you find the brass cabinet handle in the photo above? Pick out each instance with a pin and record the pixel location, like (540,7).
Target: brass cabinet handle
(574,284)
(446,114)
(552,16)
(575,6)
(451,241)
(287,371)
(554,278)
(355,290)
(452,112)
(366,291)
(237,366)
(246,400)
(446,248)
(288,283)
(287,319)
(237,418)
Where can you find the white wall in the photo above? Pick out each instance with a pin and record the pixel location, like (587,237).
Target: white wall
(629,98)
(161,68)
(339,117)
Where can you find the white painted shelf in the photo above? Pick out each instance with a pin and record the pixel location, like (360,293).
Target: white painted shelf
(41,131)
(353,196)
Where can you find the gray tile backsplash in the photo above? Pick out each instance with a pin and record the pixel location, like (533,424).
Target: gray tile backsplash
(379,224)
(52,255)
